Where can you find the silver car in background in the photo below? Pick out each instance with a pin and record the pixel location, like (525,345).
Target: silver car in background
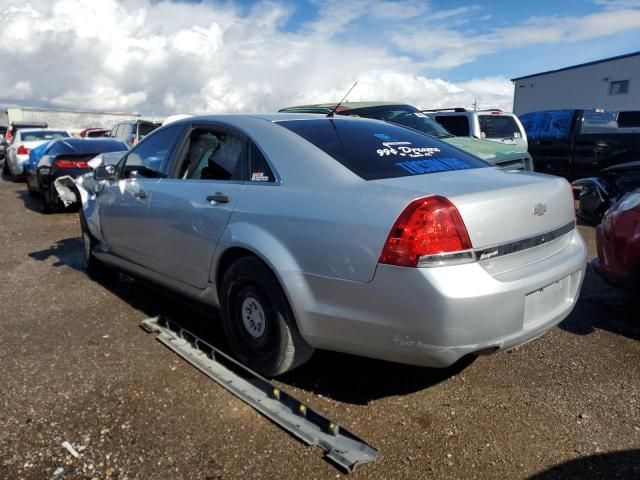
(345,234)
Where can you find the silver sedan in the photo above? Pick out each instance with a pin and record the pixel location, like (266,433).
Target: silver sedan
(344,234)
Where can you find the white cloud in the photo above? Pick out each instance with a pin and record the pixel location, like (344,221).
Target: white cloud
(445,47)
(165,57)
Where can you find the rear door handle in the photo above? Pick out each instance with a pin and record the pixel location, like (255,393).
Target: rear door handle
(218,197)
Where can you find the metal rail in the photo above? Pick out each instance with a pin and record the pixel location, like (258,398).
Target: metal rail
(342,447)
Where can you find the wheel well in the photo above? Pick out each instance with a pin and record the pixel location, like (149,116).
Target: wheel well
(227,260)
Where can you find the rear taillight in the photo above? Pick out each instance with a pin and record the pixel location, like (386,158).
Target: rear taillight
(429,232)
(65,163)
(8,135)
(132,140)
(22,150)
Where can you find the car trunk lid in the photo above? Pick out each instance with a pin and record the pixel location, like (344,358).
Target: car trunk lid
(497,207)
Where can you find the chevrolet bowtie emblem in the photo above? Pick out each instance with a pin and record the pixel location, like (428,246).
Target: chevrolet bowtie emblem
(540,209)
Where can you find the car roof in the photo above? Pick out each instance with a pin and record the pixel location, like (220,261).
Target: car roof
(343,106)
(237,118)
(27,130)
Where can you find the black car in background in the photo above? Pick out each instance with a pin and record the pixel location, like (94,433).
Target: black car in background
(594,195)
(580,143)
(65,156)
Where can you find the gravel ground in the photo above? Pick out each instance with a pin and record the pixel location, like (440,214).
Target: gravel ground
(76,367)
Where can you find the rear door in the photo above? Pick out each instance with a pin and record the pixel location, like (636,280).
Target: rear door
(123,204)
(190,209)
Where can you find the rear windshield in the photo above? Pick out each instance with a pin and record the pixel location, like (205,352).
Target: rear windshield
(42,135)
(91,146)
(498,126)
(374,150)
(603,122)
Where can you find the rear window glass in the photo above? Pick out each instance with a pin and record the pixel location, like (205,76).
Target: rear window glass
(498,126)
(375,150)
(90,146)
(42,135)
(601,122)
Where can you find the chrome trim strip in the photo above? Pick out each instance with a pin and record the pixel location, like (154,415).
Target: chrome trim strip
(524,244)
(470,256)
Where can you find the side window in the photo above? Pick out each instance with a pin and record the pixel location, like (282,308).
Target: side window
(259,170)
(213,155)
(149,158)
(457,125)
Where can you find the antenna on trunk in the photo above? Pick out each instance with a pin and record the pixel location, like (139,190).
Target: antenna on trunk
(332,113)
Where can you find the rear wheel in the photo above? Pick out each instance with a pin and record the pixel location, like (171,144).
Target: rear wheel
(29,180)
(258,321)
(49,200)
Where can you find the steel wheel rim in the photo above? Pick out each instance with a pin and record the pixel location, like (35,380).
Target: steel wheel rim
(254,317)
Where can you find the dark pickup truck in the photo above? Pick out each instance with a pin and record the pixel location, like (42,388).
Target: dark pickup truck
(579,143)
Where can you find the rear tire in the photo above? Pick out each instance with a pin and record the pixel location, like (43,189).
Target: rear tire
(257,319)
(30,191)
(49,200)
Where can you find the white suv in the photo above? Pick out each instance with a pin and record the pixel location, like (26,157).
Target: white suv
(494,125)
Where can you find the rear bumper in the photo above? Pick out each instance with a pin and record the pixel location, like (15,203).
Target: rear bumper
(435,316)
(17,167)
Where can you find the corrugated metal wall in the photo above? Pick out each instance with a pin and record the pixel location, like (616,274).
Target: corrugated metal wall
(71,120)
(582,87)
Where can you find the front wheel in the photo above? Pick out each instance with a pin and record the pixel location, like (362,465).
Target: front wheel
(92,265)
(258,321)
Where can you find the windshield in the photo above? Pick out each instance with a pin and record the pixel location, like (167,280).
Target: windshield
(602,122)
(375,150)
(42,135)
(498,126)
(405,115)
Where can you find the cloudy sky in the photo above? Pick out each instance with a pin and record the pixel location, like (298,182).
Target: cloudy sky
(163,57)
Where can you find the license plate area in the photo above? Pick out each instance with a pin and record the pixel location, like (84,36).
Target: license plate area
(543,303)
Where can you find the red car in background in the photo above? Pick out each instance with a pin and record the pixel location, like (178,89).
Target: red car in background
(94,132)
(618,241)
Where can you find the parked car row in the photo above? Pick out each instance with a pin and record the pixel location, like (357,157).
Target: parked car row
(40,155)
(363,228)
(600,152)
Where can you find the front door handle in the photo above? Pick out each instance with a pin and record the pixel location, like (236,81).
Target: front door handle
(141,194)
(218,197)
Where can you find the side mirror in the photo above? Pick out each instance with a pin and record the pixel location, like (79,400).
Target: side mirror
(105,172)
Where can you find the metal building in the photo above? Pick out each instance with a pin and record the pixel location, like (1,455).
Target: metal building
(71,120)
(611,83)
